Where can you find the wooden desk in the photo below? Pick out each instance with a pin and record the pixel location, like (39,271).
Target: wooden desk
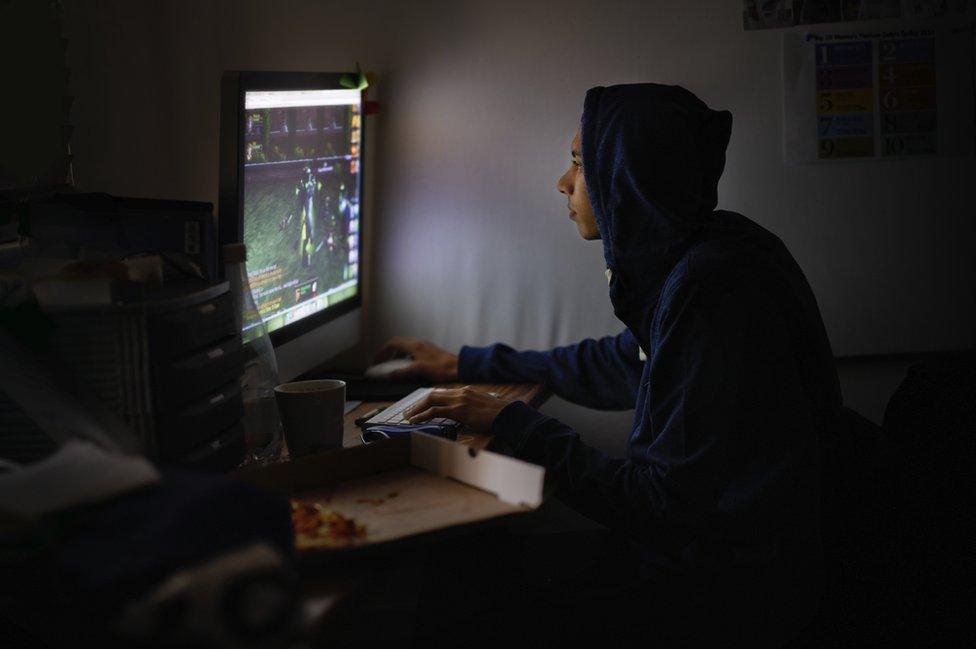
(323,596)
(532,394)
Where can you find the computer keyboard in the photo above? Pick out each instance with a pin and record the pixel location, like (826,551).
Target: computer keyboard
(393,416)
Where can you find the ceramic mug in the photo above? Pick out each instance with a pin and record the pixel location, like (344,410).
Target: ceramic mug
(311,415)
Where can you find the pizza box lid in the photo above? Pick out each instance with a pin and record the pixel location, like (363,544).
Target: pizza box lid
(403,487)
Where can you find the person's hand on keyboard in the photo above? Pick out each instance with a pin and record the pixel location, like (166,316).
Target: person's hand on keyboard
(465,405)
(430,362)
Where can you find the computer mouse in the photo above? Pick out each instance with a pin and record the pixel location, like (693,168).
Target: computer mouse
(382,371)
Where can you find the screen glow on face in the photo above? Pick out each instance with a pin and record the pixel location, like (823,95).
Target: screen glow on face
(302,165)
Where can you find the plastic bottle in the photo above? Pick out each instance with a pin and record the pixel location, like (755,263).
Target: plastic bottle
(262,427)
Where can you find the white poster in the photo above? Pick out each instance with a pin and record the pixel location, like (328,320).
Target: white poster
(867,95)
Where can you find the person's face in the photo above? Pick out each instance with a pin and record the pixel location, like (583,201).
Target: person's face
(573,185)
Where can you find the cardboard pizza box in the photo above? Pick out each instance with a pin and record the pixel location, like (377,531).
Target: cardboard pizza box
(391,490)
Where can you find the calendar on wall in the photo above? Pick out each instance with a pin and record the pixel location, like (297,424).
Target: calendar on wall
(869,95)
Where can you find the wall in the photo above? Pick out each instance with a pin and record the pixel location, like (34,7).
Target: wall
(479,103)
(32,60)
(884,244)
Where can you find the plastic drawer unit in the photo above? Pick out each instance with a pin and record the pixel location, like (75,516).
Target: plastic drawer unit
(170,365)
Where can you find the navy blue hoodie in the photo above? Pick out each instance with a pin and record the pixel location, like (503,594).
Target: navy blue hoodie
(738,386)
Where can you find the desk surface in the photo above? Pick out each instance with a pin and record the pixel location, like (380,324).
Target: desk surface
(532,394)
(322,594)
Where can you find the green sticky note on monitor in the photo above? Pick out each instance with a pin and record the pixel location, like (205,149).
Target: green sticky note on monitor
(354,81)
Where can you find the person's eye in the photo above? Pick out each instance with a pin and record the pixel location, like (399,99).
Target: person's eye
(577,164)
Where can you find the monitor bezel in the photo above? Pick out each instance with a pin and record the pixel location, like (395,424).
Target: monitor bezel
(231,199)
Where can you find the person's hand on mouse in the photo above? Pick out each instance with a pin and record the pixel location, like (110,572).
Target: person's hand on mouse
(430,362)
(465,405)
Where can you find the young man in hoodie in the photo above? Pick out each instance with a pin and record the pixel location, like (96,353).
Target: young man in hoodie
(724,359)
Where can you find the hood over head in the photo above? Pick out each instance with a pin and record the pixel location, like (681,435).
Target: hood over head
(652,159)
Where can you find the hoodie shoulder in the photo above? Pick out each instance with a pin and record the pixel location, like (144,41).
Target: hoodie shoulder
(729,260)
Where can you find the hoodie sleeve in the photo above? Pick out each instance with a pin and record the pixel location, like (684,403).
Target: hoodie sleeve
(723,423)
(603,374)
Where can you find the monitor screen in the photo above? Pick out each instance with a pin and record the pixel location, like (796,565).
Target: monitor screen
(301,196)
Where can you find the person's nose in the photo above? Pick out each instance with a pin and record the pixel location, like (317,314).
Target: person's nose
(563,184)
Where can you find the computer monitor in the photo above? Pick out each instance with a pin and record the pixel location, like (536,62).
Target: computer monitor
(291,190)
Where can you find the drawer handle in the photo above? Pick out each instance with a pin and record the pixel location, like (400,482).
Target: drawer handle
(216,352)
(218,398)
(207,308)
